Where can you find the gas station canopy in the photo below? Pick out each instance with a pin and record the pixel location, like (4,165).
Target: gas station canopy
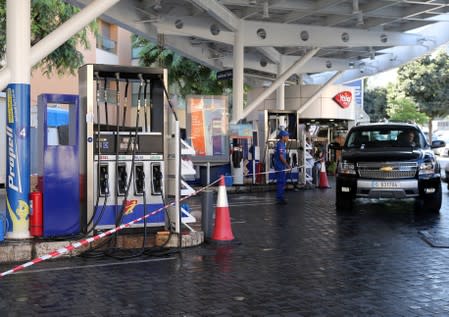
(358,38)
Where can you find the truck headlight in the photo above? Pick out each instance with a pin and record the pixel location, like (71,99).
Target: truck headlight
(346,168)
(426,168)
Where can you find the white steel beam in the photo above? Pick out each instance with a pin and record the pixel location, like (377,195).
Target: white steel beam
(280,92)
(18,42)
(188,26)
(290,71)
(281,35)
(314,65)
(237,76)
(271,53)
(61,34)
(220,13)
(268,34)
(69,28)
(395,56)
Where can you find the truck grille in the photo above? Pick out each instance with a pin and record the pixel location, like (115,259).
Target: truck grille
(387,170)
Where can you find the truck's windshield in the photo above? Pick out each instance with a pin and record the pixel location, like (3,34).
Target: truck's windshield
(385,137)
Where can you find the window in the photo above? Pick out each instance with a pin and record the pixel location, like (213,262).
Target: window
(385,137)
(107,39)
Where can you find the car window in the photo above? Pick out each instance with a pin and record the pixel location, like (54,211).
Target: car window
(385,137)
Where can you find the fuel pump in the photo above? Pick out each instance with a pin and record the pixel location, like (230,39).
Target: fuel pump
(58,159)
(271,122)
(237,162)
(125,163)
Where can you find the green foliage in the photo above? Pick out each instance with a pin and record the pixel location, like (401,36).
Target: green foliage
(46,16)
(185,77)
(375,103)
(405,110)
(426,80)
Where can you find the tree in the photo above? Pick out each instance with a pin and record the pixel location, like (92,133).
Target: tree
(185,76)
(426,80)
(46,16)
(403,109)
(375,103)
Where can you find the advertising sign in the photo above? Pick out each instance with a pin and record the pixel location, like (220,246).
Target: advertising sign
(17,161)
(207,126)
(343,99)
(358,91)
(240,131)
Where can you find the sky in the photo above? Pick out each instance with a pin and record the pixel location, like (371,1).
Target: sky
(382,79)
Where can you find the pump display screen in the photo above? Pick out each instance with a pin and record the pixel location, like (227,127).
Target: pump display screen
(127,144)
(104,144)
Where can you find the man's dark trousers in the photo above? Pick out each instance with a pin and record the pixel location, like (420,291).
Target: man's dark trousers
(280,185)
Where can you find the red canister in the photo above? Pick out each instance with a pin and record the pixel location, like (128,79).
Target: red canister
(36,214)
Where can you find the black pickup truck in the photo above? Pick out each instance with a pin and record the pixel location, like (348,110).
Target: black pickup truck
(388,160)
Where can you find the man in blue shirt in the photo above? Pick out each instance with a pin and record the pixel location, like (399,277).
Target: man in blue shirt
(280,165)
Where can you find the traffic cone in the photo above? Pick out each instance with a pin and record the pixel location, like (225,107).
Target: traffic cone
(222,233)
(324,182)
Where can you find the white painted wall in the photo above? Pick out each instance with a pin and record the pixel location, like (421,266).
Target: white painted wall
(295,96)
(107,58)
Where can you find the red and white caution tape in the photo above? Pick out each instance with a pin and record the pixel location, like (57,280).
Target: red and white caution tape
(86,242)
(274,171)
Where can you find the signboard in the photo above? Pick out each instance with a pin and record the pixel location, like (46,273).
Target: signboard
(207,127)
(238,131)
(358,91)
(224,74)
(228,73)
(343,99)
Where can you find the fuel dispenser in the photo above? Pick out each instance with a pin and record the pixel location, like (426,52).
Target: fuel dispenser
(237,161)
(58,160)
(123,145)
(270,124)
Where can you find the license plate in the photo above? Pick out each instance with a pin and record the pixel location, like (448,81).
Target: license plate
(385,184)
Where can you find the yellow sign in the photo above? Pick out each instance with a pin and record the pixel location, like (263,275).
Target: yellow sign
(20,216)
(10,108)
(129,206)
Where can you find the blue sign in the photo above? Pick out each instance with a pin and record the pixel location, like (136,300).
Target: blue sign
(18,159)
(358,91)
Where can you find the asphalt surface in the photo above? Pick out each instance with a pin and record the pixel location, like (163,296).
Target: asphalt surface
(303,259)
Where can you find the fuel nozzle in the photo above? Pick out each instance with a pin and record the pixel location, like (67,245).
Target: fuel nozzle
(104,180)
(139,179)
(156,188)
(122,177)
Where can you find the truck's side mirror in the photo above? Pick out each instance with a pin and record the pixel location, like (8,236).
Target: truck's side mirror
(335,146)
(438,144)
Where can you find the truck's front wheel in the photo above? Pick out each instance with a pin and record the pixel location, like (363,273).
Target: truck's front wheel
(432,202)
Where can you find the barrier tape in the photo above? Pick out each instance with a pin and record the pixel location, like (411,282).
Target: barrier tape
(85,242)
(274,171)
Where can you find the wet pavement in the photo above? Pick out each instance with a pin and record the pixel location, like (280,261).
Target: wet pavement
(303,259)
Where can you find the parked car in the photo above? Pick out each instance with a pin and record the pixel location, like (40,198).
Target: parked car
(445,177)
(443,136)
(388,160)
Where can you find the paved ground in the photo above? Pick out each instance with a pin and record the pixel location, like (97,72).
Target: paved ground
(303,259)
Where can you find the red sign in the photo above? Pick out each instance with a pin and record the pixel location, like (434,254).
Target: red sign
(129,206)
(343,99)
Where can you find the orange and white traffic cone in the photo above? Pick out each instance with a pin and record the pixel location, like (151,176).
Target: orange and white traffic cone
(324,182)
(222,233)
